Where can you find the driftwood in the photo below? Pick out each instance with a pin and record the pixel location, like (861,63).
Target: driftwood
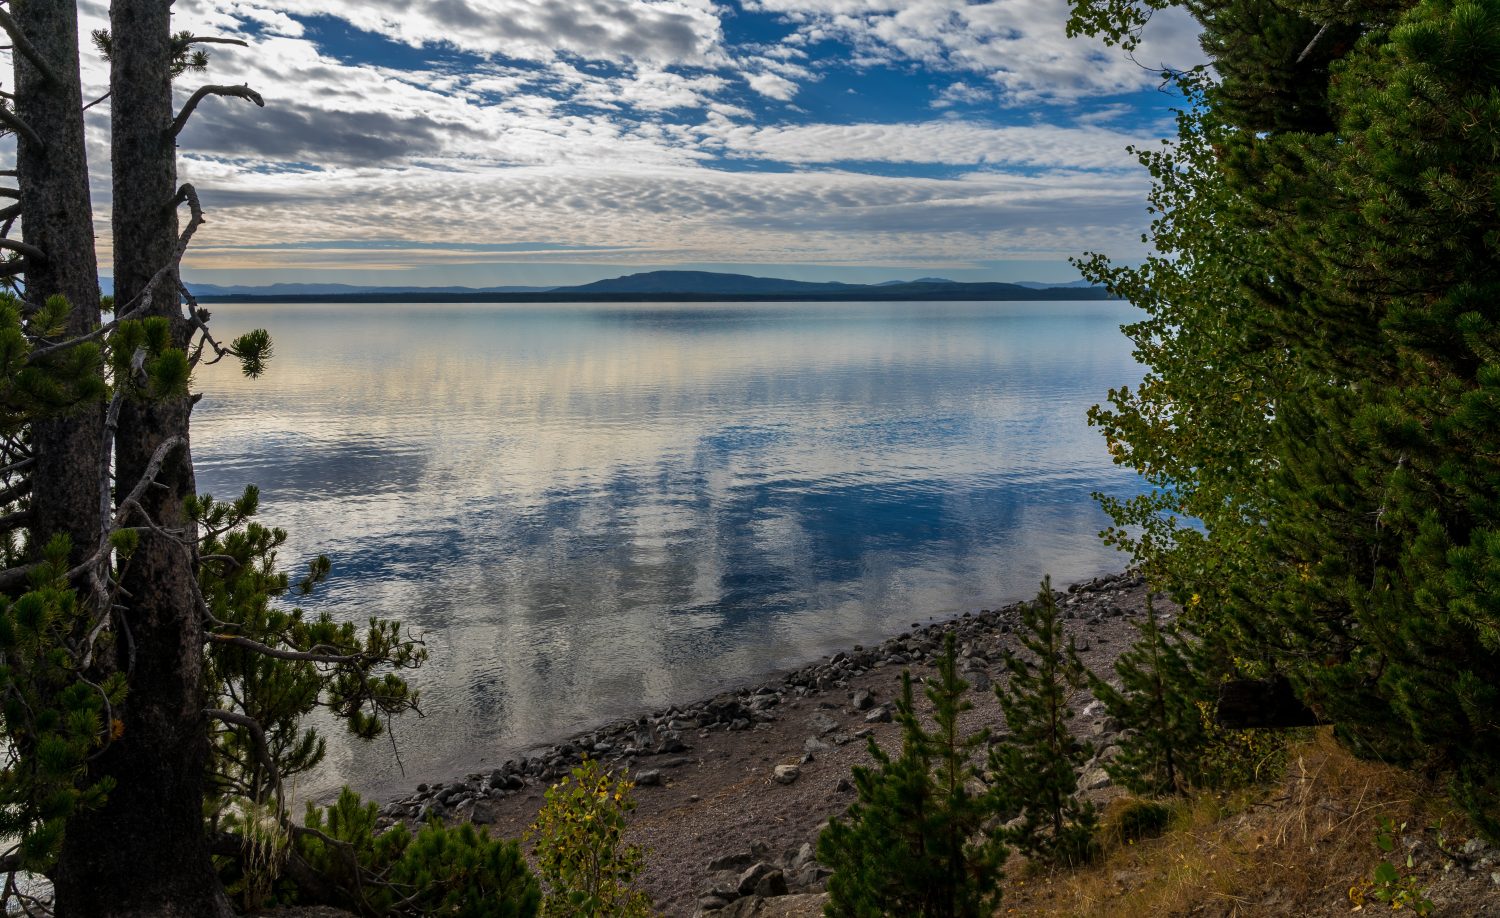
(1247,703)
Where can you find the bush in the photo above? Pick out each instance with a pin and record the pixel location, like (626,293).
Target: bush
(441,870)
(1138,819)
(588,870)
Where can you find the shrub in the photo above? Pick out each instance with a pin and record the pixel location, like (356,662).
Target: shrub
(588,869)
(441,870)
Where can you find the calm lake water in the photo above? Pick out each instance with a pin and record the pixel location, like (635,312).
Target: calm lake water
(588,510)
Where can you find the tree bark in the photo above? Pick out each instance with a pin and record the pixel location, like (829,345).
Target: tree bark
(145,851)
(56,217)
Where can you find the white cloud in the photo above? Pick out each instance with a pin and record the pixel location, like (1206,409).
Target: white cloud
(772,86)
(932,142)
(1020,45)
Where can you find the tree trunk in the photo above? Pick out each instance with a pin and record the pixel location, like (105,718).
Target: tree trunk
(56,217)
(145,852)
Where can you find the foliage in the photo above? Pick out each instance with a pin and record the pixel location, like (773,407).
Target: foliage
(54,718)
(1034,771)
(355,676)
(440,870)
(1157,702)
(1324,358)
(1141,819)
(912,842)
(588,871)
(1386,882)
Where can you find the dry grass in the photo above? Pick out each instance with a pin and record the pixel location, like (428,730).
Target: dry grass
(1295,849)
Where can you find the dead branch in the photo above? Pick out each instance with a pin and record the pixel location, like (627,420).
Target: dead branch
(262,748)
(13,121)
(214,40)
(307,656)
(238,92)
(17,490)
(11,578)
(30,251)
(14,520)
(28,50)
(97,101)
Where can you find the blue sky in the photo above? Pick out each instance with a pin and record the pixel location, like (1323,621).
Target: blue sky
(485,142)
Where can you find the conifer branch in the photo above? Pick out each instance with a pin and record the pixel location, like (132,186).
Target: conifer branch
(30,251)
(307,656)
(238,92)
(262,749)
(13,121)
(28,50)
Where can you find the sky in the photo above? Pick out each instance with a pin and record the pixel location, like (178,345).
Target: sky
(491,142)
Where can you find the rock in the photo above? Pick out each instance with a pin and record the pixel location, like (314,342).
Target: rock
(731,862)
(863,700)
(751,879)
(711,903)
(822,724)
(772,884)
(845,786)
(1093,778)
(813,744)
(881,715)
(648,778)
(803,857)
(800,906)
(786,774)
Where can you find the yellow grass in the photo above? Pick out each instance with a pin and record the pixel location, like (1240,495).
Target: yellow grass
(1297,848)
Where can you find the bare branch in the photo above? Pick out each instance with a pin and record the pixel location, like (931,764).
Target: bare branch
(214,40)
(97,101)
(13,121)
(30,251)
(14,520)
(14,577)
(238,92)
(309,656)
(261,747)
(27,49)
(19,489)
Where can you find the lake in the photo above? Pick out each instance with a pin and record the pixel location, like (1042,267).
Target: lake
(590,510)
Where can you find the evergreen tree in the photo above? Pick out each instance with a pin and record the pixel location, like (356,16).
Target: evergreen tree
(912,844)
(1033,771)
(1348,495)
(1158,703)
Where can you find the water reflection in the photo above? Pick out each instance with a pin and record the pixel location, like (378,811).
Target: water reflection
(591,509)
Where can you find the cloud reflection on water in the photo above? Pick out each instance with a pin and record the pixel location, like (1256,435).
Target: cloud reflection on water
(591,509)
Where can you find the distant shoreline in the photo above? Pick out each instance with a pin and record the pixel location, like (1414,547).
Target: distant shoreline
(1056,294)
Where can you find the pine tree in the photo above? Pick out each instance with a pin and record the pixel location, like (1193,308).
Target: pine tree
(1158,703)
(1033,770)
(1340,237)
(912,844)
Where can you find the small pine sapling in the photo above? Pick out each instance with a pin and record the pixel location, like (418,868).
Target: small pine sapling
(1033,772)
(1157,702)
(912,843)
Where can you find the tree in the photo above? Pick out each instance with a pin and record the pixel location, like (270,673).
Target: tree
(1340,237)
(1158,701)
(1034,770)
(146,673)
(912,844)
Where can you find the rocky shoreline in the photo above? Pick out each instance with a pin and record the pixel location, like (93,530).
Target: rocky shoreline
(733,789)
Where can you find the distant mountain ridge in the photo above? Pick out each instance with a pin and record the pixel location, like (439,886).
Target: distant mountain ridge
(683,286)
